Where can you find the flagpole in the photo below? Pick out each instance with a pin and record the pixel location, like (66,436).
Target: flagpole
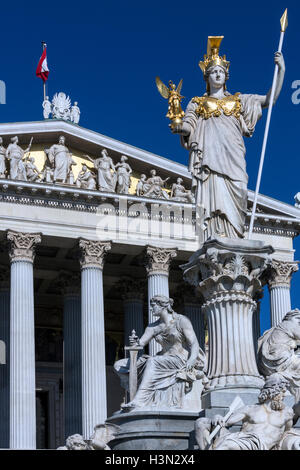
(44,45)
(283,22)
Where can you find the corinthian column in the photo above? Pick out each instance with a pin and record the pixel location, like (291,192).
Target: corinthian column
(279,287)
(132,292)
(158,264)
(4,368)
(22,350)
(227,274)
(94,408)
(69,283)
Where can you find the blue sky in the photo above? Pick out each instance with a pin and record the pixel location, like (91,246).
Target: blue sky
(106,55)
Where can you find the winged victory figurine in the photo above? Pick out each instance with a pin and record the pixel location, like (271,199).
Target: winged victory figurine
(172,94)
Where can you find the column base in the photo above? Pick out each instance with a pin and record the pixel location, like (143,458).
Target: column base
(236,381)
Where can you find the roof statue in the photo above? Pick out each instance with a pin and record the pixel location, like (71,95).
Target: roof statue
(60,108)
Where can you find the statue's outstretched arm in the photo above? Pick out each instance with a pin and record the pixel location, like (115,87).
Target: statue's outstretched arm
(279,60)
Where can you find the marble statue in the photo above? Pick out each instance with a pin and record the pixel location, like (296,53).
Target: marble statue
(59,158)
(70,178)
(61,105)
(179,193)
(32,172)
(141,185)
(165,379)
(263,424)
(75,113)
(103,433)
(2,159)
(278,353)
(85,179)
(123,176)
(75,442)
(297,200)
(212,130)
(152,187)
(15,154)
(47,108)
(106,172)
(61,108)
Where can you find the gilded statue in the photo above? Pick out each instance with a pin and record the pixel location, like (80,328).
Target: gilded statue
(212,129)
(172,94)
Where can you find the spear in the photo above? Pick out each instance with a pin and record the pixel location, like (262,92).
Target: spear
(284,23)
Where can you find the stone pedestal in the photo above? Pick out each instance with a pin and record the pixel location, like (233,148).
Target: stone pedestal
(158,264)
(279,287)
(149,430)
(22,350)
(94,401)
(227,275)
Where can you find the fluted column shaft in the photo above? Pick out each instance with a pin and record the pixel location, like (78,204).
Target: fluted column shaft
(94,401)
(231,350)
(72,355)
(279,288)
(158,264)
(133,317)
(4,368)
(194,312)
(22,345)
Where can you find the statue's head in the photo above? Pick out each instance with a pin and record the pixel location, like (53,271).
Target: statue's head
(76,442)
(84,167)
(14,140)
(158,303)
(179,180)
(104,153)
(216,77)
(274,390)
(214,67)
(61,140)
(143,177)
(75,103)
(1,141)
(292,321)
(153,172)
(123,158)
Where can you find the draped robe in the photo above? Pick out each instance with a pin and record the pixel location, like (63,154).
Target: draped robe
(219,143)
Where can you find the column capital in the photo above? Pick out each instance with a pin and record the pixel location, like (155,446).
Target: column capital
(131,289)
(158,260)
(281,273)
(22,245)
(93,253)
(68,282)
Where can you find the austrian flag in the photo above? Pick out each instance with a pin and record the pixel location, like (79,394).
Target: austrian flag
(42,70)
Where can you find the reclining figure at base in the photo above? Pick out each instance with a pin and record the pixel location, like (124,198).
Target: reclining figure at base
(278,353)
(265,426)
(164,380)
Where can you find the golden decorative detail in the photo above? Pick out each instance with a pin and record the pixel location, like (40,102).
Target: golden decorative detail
(284,21)
(209,106)
(175,112)
(212,57)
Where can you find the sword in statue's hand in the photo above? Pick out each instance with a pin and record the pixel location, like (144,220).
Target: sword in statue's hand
(284,24)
